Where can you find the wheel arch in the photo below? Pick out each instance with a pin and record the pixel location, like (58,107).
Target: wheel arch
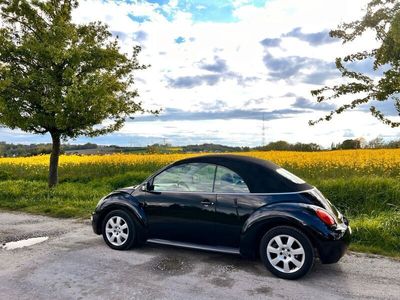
(125,202)
(252,233)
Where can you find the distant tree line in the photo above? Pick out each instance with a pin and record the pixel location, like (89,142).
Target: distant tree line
(213,148)
(361,143)
(285,146)
(10,150)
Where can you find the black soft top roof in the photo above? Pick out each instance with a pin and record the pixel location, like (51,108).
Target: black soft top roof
(260,175)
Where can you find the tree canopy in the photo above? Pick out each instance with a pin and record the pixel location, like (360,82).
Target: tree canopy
(382,17)
(62,78)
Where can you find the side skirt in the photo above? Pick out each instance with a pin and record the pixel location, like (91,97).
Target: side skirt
(219,249)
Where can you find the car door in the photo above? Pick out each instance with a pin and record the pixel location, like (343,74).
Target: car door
(181,205)
(231,191)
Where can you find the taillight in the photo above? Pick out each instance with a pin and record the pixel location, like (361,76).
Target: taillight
(325,217)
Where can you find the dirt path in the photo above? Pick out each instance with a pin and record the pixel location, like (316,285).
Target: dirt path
(73,263)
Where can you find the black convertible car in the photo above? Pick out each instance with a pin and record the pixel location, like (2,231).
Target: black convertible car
(228,203)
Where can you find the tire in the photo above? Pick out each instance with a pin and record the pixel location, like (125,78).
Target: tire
(119,230)
(287,252)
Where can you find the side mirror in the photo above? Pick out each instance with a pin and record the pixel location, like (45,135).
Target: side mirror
(147,187)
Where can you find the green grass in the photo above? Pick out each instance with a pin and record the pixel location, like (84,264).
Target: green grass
(71,198)
(361,195)
(67,200)
(378,234)
(371,203)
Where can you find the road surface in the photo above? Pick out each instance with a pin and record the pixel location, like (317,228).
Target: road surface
(74,263)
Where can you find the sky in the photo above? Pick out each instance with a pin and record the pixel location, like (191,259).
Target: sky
(218,68)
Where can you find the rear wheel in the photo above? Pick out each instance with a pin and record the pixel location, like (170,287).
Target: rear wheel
(119,230)
(287,252)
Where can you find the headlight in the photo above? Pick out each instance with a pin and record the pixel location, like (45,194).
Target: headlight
(101,201)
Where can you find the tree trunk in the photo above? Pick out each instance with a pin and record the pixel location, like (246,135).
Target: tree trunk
(55,153)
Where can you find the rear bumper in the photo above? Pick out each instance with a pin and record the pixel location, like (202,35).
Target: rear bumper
(95,223)
(330,251)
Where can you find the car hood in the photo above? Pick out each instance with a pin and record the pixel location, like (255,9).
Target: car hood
(128,189)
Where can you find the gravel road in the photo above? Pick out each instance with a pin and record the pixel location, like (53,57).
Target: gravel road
(74,263)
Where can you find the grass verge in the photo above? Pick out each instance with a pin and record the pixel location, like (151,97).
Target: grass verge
(371,203)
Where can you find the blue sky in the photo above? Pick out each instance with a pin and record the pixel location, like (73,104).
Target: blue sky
(219,67)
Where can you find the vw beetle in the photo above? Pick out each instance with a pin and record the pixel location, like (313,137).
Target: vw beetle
(231,204)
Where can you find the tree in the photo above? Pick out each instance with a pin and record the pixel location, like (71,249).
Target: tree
(376,143)
(393,144)
(362,142)
(278,145)
(383,19)
(62,78)
(305,147)
(350,144)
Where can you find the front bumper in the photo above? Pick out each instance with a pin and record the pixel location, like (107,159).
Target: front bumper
(95,223)
(330,251)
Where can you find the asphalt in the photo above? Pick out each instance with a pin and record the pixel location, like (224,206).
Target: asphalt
(74,263)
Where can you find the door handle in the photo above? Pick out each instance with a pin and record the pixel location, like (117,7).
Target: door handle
(207,202)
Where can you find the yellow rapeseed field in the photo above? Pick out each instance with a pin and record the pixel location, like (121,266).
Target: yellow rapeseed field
(365,161)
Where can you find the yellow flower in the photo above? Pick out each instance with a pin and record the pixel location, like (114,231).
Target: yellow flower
(309,164)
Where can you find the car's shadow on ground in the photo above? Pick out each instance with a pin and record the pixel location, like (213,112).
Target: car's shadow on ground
(174,260)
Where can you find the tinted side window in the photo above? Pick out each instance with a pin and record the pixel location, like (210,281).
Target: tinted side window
(195,177)
(227,181)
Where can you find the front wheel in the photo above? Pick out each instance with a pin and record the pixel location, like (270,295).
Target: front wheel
(287,252)
(119,230)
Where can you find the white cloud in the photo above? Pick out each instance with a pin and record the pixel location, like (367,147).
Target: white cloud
(238,43)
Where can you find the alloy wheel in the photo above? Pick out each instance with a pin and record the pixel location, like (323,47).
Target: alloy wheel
(117,230)
(285,253)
